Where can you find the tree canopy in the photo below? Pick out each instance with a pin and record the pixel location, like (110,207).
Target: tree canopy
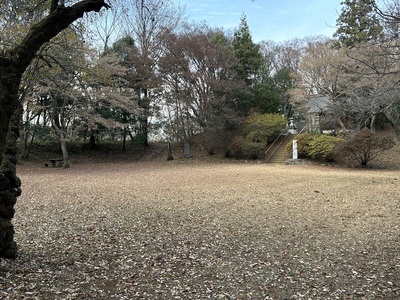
(358,22)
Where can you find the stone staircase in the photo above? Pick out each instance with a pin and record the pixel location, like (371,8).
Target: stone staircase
(278,154)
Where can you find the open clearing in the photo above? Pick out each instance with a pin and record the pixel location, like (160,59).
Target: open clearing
(191,230)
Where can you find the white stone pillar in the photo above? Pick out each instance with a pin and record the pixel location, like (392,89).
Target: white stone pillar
(294,144)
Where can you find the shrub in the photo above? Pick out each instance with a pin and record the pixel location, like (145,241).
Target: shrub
(364,146)
(243,149)
(303,144)
(322,147)
(216,140)
(315,146)
(253,150)
(261,128)
(257,131)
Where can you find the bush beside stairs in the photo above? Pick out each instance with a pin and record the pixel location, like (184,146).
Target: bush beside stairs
(278,154)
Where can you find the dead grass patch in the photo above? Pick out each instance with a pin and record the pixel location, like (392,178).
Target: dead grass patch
(191,230)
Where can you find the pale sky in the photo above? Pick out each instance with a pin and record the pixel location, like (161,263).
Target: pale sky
(276,20)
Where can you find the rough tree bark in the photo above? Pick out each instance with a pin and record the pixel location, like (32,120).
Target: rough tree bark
(13,64)
(10,187)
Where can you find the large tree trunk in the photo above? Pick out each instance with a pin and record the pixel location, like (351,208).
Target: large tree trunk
(9,133)
(144,104)
(92,141)
(58,124)
(9,85)
(10,188)
(64,150)
(373,122)
(13,64)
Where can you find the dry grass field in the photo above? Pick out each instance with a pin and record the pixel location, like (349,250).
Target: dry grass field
(186,229)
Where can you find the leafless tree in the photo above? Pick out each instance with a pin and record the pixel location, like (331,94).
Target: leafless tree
(198,77)
(148,22)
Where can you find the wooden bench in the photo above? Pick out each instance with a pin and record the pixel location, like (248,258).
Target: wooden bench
(56,162)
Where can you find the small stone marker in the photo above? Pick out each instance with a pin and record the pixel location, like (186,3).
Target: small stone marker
(186,150)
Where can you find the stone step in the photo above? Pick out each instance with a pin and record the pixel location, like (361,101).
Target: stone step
(280,154)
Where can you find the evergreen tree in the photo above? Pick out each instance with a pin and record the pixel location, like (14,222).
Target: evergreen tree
(259,94)
(122,46)
(357,23)
(247,53)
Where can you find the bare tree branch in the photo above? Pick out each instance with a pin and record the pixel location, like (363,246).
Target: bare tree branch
(49,27)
